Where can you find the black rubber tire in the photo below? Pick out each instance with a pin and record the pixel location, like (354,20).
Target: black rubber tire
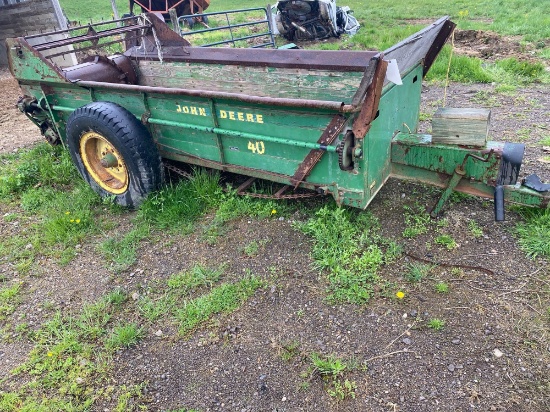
(132,141)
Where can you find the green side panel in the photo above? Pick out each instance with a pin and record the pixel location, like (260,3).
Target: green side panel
(68,96)
(131,101)
(189,110)
(300,125)
(399,108)
(28,66)
(254,81)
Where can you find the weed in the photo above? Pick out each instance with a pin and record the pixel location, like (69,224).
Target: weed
(341,390)
(347,245)
(67,362)
(441,223)
(393,250)
(123,402)
(474,228)
(417,272)
(327,366)
(290,350)
(447,241)
(304,385)
(180,286)
(124,336)
(253,247)
(485,98)
(436,324)
(417,221)
(10,217)
(424,116)
(545,141)
(441,287)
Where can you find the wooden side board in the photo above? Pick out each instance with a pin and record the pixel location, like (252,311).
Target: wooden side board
(295,83)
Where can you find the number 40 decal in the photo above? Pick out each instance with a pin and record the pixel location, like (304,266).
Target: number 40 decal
(256,147)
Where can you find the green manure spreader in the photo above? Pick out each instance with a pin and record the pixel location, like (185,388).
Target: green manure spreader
(127,98)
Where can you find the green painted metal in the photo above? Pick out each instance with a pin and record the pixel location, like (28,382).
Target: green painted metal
(226,132)
(455,179)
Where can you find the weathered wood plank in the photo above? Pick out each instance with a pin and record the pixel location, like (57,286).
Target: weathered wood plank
(461,126)
(256,81)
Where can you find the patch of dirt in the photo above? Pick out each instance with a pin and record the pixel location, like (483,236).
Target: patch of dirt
(492,354)
(16,131)
(487,45)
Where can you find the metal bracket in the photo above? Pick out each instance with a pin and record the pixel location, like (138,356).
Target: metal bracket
(329,135)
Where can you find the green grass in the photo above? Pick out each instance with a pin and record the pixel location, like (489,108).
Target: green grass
(534,233)
(221,299)
(198,276)
(9,299)
(68,364)
(124,336)
(475,230)
(60,210)
(122,253)
(178,288)
(441,287)
(446,241)
(417,272)
(68,367)
(417,221)
(348,248)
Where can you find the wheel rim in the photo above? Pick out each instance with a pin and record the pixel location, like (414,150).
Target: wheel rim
(104,163)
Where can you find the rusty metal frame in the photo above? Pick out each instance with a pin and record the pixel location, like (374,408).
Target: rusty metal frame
(363,121)
(275,101)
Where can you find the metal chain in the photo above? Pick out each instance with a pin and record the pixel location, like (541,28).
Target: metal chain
(178,171)
(258,195)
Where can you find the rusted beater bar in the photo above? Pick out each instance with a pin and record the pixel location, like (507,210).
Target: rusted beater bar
(49,56)
(275,101)
(85,37)
(103,23)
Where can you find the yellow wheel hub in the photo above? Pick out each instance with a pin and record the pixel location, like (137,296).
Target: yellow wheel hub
(104,163)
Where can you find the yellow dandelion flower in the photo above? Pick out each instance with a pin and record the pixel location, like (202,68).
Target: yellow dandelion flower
(273,212)
(67,213)
(400,295)
(77,220)
(72,220)
(50,354)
